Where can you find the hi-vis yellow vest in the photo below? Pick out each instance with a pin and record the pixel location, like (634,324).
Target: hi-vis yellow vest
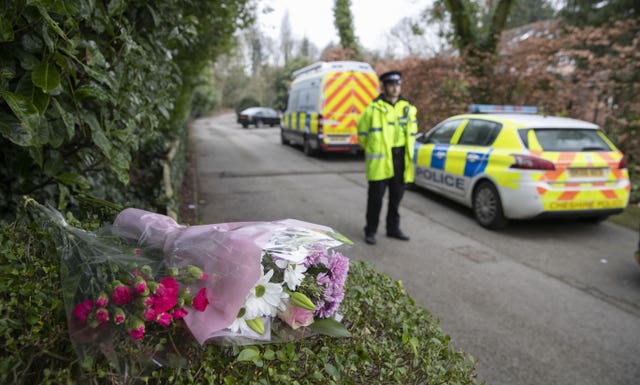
(376,127)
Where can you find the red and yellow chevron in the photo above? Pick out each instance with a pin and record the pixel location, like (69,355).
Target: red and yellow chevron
(347,94)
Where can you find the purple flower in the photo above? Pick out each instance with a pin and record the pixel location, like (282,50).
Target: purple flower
(333,284)
(339,267)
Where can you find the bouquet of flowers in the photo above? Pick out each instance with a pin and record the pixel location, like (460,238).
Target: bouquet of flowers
(146,286)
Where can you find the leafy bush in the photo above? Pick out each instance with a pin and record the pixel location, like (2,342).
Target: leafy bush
(246,102)
(393,340)
(93,93)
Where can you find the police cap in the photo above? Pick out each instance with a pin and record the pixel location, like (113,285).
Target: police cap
(391,77)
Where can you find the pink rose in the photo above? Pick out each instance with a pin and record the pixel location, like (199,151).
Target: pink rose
(200,301)
(102,315)
(296,316)
(122,295)
(164,319)
(82,310)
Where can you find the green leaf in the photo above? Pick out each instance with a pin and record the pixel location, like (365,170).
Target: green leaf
(97,133)
(12,129)
(92,91)
(68,118)
(45,76)
(27,114)
(248,354)
(6,30)
(330,327)
(116,7)
(40,100)
(72,179)
(36,155)
(52,23)
(331,370)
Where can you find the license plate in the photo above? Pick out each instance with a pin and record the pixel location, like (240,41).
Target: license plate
(337,139)
(586,172)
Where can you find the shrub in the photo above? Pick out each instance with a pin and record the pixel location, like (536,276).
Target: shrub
(246,102)
(393,340)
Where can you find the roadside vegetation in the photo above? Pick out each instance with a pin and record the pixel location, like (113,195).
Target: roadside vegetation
(95,100)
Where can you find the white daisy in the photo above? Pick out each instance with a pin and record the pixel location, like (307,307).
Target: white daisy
(294,274)
(265,298)
(239,326)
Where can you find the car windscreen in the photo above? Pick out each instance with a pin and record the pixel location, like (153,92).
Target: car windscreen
(566,139)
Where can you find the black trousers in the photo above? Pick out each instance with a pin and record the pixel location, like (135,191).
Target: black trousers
(396,191)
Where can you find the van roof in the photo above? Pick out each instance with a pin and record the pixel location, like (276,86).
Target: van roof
(322,67)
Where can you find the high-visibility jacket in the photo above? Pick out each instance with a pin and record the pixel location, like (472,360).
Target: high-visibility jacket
(377,127)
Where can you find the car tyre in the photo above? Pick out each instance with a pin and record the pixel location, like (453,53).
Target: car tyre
(306,147)
(283,140)
(245,125)
(487,207)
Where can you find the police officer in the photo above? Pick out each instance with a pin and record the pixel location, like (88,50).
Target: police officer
(387,131)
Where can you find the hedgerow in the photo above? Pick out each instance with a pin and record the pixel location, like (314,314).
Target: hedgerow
(393,340)
(93,94)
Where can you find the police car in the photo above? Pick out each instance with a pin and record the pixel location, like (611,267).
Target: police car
(507,162)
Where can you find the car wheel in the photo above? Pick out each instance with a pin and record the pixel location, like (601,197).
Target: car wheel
(283,140)
(259,123)
(306,147)
(245,125)
(487,207)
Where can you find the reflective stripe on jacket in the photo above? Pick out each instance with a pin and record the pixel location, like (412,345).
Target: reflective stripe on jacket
(376,129)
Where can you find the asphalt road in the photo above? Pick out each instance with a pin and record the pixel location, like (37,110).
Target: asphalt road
(542,302)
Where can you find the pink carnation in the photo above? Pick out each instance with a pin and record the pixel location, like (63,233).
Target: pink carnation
(137,332)
(200,301)
(102,300)
(166,295)
(122,295)
(141,287)
(119,316)
(102,315)
(164,319)
(82,310)
(149,314)
(179,313)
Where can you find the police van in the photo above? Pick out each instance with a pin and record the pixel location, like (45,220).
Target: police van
(508,162)
(325,101)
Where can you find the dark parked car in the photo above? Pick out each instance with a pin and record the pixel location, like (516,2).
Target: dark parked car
(259,116)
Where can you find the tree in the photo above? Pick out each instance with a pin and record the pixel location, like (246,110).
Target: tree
(286,41)
(343,21)
(529,11)
(477,41)
(599,12)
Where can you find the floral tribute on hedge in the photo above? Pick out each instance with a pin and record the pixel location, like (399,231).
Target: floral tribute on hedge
(148,289)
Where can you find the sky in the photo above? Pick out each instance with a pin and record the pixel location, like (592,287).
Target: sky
(314,19)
